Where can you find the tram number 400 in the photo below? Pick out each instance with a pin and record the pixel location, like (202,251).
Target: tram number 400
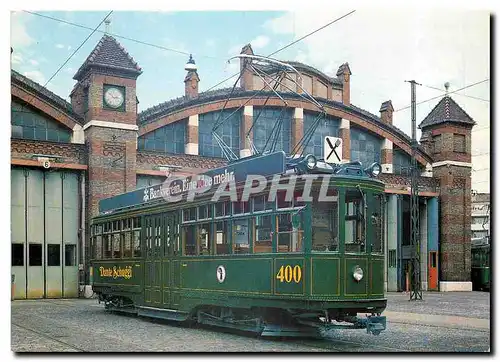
(288,274)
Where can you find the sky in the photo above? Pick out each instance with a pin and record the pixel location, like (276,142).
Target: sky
(384,47)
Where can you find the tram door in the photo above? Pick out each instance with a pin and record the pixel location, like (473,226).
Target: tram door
(171,249)
(154,232)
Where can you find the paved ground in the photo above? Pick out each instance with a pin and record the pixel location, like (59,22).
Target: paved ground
(443,322)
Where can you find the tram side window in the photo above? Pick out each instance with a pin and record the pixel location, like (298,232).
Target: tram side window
(263,234)
(222,209)
(98,246)
(221,238)
(282,201)
(176,241)
(127,244)
(204,239)
(116,246)
(354,222)
(204,212)
(189,214)
(290,232)
(241,236)
(137,243)
(97,241)
(189,239)
(377,220)
(325,226)
(261,203)
(107,246)
(107,242)
(136,225)
(115,237)
(241,207)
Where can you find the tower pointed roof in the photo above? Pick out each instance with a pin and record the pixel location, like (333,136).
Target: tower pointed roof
(109,54)
(447,110)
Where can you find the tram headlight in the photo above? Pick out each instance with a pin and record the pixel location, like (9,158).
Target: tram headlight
(374,169)
(357,274)
(311,162)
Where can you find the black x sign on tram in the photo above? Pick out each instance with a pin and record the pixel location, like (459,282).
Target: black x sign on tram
(333,147)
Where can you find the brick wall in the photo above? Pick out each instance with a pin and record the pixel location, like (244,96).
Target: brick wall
(72,153)
(149,160)
(112,163)
(455,217)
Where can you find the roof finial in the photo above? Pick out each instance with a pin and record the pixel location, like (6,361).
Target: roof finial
(446,86)
(190,65)
(107,22)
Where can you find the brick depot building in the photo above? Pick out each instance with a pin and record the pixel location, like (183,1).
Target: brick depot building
(65,157)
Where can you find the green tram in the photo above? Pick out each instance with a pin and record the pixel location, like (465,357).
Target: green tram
(480,264)
(276,264)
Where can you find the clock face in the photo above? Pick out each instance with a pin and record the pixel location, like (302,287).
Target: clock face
(113,97)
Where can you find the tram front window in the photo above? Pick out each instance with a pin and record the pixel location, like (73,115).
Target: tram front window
(325,226)
(355,222)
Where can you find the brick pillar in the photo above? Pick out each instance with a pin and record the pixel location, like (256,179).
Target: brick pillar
(386,156)
(345,134)
(297,129)
(455,230)
(246,124)
(112,163)
(192,135)
(344,74)
(246,80)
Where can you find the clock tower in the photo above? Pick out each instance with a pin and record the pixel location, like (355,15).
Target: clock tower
(105,96)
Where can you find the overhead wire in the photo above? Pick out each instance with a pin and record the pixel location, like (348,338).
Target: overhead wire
(455,91)
(119,36)
(288,45)
(460,94)
(72,54)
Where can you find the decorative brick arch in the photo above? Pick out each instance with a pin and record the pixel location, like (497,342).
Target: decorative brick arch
(347,114)
(45,107)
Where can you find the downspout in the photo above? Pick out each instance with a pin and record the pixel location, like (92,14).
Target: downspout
(82,227)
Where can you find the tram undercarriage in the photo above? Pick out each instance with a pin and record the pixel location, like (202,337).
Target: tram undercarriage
(264,321)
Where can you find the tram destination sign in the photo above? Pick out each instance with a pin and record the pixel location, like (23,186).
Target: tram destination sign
(265,165)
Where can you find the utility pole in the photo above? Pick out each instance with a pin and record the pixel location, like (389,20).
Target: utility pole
(415,282)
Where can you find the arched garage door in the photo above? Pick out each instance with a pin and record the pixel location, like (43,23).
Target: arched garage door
(44,225)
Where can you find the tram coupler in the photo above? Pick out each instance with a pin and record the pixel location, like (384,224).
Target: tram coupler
(374,324)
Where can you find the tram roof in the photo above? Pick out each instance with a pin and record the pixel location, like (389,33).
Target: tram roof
(267,166)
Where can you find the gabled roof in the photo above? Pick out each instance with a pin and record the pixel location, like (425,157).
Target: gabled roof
(302,66)
(108,53)
(387,105)
(44,93)
(447,110)
(344,68)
